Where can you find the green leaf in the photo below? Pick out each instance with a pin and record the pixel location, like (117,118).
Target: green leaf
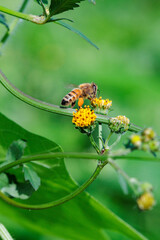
(76,31)
(18,190)
(3,21)
(3,180)
(13,188)
(31,176)
(81,218)
(59,6)
(16,150)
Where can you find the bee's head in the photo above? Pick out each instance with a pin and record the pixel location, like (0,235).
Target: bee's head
(94,87)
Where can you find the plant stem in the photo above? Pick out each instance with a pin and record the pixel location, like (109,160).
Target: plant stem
(107,140)
(57,202)
(100,136)
(51,156)
(16,14)
(153,159)
(94,144)
(126,177)
(116,142)
(47,106)
(4,234)
(13,24)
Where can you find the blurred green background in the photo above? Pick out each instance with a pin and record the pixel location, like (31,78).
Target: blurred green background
(43,60)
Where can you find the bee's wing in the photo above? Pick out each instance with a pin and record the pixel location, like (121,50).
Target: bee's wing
(71,86)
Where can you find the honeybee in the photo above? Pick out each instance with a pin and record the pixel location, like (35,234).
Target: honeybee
(84,91)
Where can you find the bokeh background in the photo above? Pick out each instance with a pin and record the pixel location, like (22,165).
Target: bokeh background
(43,61)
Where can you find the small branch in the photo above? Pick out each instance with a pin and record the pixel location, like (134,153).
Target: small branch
(4,234)
(136,158)
(16,14)
(47,106)
(28,17)
(57,202)
(52,156)
(100,136)
(94,144)
(116,142)
(107,140)
(125,176)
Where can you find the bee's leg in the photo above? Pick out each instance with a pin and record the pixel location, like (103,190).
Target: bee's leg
(80,102)
(73,104)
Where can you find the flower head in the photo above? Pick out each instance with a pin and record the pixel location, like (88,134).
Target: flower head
(84,117)
(119,124)
(145,140)
(148,134)
(146,201)
(136,140)
(101,103)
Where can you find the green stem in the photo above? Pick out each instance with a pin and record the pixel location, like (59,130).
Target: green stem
(27,17)
(13,24)
(47,106)
(107,140)
(4,234)
(51,156)
(100,136)
(94,144)
(153,159)
(126,177)
(59,201)
(116,142)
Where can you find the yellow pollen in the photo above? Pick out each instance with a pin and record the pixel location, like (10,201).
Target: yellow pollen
(84,117)
(101,103)
(123,119)
(135,138)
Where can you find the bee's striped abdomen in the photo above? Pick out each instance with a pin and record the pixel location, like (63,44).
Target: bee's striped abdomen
(71,97)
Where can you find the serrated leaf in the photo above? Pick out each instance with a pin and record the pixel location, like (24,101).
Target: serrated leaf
(3,180)
(31,176)
(16,150)
(59,6)
(3,21)
(76,31)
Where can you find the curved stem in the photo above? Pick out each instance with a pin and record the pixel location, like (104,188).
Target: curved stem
(51,156)
(13,24)
(59,201)
(47,106)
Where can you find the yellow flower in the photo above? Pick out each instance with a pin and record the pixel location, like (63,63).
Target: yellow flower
(123,119)
(136,140)
(101,103)
(146,201)
(148,134)
(84,117)
(119,124)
